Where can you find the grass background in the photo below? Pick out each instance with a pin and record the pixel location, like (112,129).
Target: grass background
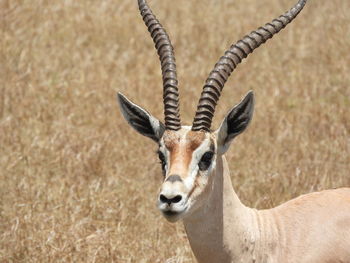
(78,185)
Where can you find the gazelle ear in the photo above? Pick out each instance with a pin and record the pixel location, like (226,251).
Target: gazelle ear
(235,122)
(138,118)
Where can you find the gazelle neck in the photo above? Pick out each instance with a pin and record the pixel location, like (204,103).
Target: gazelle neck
(224,230)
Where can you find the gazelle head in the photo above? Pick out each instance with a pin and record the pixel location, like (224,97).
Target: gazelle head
(188,154)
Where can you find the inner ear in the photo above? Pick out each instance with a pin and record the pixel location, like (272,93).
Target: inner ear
(235,122)
(138,118)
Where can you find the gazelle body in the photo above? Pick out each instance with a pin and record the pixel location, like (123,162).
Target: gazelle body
(312,228)
(197,188)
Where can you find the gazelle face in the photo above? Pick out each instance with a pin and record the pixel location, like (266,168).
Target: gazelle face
(187,158)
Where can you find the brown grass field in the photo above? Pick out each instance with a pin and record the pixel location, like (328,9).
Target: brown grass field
(78,185)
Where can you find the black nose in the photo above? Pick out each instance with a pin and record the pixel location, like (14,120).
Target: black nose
(175,199)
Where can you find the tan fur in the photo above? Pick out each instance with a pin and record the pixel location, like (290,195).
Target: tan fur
(313,228)
(181,153)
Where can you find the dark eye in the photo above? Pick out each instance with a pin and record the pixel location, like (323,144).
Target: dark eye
(205,161)
(162,159)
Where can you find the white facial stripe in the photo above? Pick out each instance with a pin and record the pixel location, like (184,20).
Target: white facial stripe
(193,167)
(162,147)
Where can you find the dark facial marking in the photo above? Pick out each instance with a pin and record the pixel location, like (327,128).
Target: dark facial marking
(174,178)
(212,145)
(162,161)
(207,158)
(205,161)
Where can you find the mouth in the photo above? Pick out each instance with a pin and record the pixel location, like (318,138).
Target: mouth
(170,213)
(172,216)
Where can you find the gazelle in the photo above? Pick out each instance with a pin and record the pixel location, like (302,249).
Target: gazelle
(197,186)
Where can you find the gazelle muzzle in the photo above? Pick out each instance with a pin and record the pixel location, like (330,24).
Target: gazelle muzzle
(172,200)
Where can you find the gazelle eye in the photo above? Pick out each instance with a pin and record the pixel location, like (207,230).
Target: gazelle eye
(162,159)
(205,161)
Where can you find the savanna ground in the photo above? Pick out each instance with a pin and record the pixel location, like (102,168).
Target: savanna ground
(78,185)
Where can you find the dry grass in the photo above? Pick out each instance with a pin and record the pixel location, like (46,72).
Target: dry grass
(78,185)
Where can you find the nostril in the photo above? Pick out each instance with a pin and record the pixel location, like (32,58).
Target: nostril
(176,199)
(164,199)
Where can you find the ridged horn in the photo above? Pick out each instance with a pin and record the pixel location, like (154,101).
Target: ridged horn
(167,59)
(229,61)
